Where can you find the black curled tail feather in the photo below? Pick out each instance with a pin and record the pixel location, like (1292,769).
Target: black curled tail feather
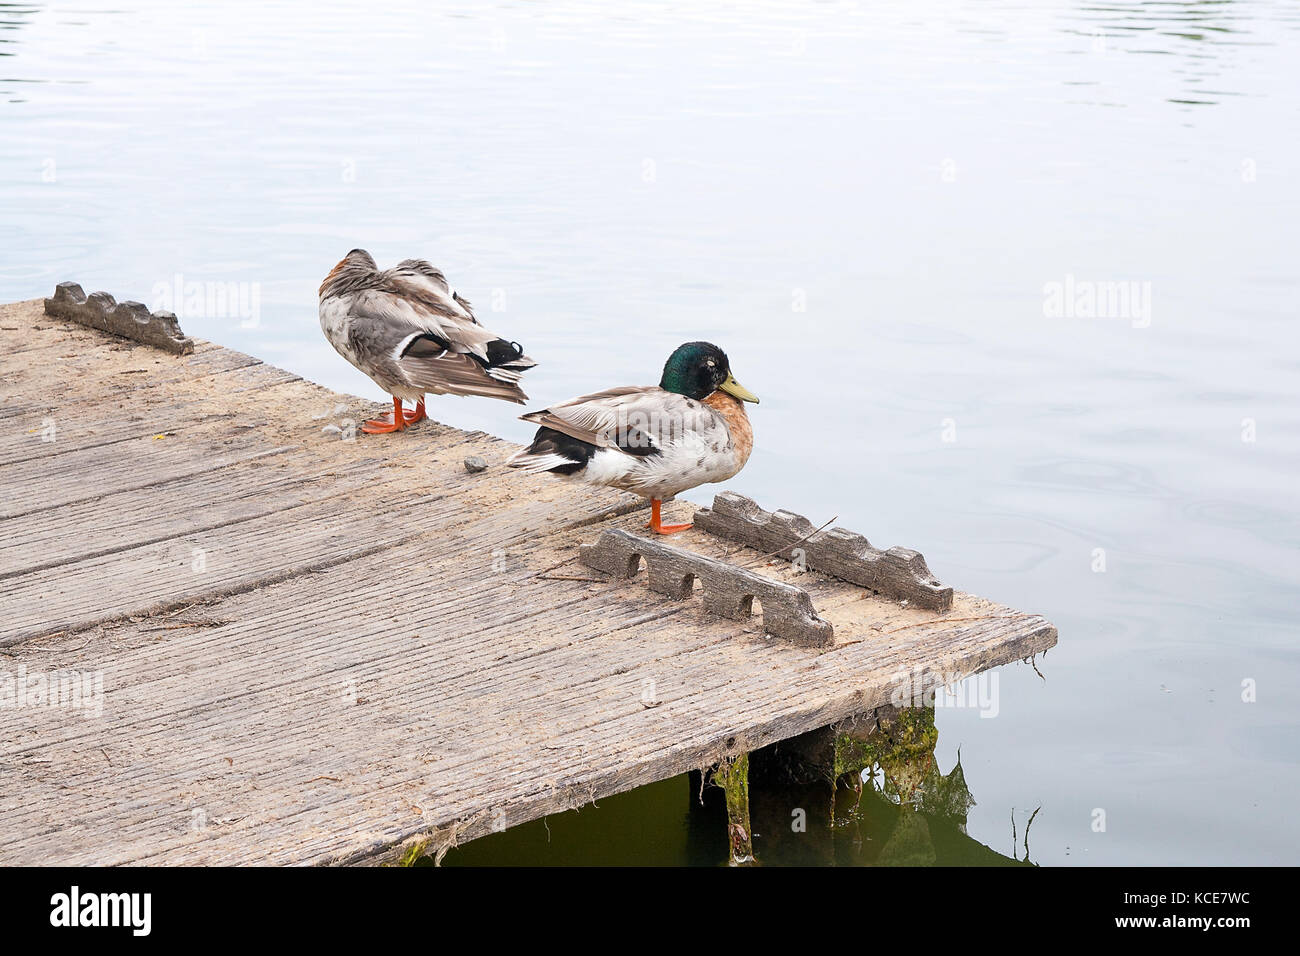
(548,441)
(501,352)
(508,355)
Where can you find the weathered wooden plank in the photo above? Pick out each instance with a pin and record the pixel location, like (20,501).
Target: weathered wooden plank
(132,320)
(896,572)
(380,645)
(728,590)
(47,483)
(479,780)
(157,577)
(496,693)
(126,519)
(231,557)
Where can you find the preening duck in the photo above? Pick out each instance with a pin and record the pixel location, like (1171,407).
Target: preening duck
(655,441)
(410,332)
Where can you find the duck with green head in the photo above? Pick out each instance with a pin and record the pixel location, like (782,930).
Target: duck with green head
(655,441)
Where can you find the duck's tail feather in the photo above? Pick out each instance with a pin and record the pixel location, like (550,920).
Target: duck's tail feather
(553,451)
(502,354)
(453,374)
(427,361)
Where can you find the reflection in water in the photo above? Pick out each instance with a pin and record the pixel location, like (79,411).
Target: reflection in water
(884,799)
(865,792)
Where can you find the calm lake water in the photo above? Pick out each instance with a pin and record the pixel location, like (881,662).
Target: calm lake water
(893,220)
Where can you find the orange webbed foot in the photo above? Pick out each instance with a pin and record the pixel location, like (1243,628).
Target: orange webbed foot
(417,415)
(380,427)
(657,526)
(394,421)
(671,528)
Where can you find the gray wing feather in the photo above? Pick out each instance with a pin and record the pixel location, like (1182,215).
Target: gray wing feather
(455,374)
(383,316)
(384,324)
(611,418)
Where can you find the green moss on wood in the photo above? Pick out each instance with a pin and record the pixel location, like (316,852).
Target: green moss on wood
(412,854)
(902,743)
(732,775)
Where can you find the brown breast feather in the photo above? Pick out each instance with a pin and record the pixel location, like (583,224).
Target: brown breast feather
(733,413)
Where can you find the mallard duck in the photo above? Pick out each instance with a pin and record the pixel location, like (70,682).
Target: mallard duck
(407,330)
(655,441)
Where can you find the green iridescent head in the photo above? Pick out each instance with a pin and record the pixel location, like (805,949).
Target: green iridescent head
(698,369)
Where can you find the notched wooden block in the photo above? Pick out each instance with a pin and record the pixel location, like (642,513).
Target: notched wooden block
(729,591)
(130,320)
(898,573)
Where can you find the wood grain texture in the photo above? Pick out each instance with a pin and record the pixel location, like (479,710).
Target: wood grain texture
(132,320)
(899,573)
(728,590)
(312,650)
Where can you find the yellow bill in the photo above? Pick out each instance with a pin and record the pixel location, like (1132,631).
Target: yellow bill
(732,387)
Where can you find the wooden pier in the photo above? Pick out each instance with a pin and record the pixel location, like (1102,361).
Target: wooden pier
(317,650)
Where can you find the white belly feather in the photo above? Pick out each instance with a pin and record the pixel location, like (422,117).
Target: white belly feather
(683,464)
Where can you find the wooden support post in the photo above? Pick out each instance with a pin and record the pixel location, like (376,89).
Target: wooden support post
(732,775)
(902,744)
(898,744)
(900,740)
